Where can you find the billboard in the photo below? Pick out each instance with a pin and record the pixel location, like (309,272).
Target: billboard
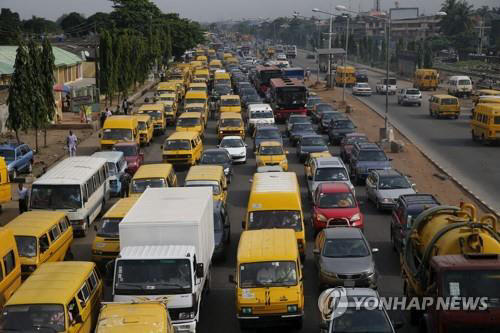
(403,13)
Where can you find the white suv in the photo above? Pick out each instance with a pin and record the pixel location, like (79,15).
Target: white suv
(409,96)
(259,114)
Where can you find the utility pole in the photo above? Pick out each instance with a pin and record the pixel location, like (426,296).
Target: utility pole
(387,39)
(96,61)
(329,81)
(345,57)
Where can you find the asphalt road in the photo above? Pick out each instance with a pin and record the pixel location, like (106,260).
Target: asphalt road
(218,310)
(447,141)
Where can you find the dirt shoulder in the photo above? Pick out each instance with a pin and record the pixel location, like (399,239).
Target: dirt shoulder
(411,161)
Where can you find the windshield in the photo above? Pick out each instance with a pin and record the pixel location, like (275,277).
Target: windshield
(117,134)
(291,96)
(154,114)
(472,283)
(248,91)
(195,100)
(56,197)
(140,185)
(393,182)
(331,174)
(230,102)
(215,158)
(336,200)
(372,155)
(194,109)
(271,133)
(230,122)
(361,321)
(197,89)
(313,141)
(267,75)
(343,124)
(127,150)
(109,228)
(271,150)
(464,82)
(351,140)
(261,115)
(43,318)
(8,154)
(274,273)
(324,107)
(222,89)
(188,122)
(232,143)
(112,168)
(363,85)
(413,92)
(216,190)
(449,101)
(302,127)
(142,126)
(177,145)
(294,120)
(153,276)
(281,219)
(345,247)
(392,82)
(26,245)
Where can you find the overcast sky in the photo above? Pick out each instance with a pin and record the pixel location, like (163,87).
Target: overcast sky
(214,10)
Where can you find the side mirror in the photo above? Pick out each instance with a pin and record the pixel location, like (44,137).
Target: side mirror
(374,250)
(199,270)
(231,279)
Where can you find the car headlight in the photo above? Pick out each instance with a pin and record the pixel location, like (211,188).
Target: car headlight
(242,153)
(355,217)
(330,274)
(292,308)
(246,311)
(186,315)
(321,217)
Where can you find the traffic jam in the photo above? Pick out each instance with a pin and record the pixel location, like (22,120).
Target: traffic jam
(157,204)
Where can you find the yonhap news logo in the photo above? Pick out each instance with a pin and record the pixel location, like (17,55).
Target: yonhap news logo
(333,303)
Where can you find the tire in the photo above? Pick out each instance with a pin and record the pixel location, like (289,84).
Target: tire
(474,137)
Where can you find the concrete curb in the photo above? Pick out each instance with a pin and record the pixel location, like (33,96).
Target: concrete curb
(436,164)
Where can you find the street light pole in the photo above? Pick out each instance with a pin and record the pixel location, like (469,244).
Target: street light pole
(387,41)
(345,57)
(329,81)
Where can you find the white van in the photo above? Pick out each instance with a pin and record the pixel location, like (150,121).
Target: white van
(116,168)
(259,114)
(460,86)
(78,186)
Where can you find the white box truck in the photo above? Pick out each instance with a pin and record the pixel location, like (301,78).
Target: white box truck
(166,248)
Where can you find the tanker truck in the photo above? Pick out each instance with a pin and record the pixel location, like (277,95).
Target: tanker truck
(451,261)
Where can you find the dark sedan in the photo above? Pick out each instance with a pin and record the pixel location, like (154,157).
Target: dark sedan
(319,109)
(298,130)
(347,144)
(311,102)
(338,130)
(218,156)
(327,117)
(308,144)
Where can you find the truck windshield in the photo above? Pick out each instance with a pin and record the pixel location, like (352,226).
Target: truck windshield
(154,114)
(140,185)
(230,102)
(26,245)
(473,283)
(268,219)
(117,134)
(230,122)
(177,145)
(56,197)
(153,276)
(113,171)
(291,96)
(274,273)
(362,320)
(109,228)
(45,318)
(195,183)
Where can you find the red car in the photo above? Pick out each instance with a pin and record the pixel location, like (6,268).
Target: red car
(334,204)
(133,155)
(347,144)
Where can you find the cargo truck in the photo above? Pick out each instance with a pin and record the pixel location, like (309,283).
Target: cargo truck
(450,253)
(166,248)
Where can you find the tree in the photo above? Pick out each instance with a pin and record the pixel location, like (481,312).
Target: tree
(74,24)
(34,91)
(428,59)
(458,18)
(134,14)
(10,25)
(39,25)
(48,68)
(18,101)
(107,77)
(123,65)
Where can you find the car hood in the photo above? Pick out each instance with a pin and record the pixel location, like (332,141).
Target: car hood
(330,213)
(342,130)
(374,164)
(235,150)
(347,265)
(313,149)
(395,193)
(315,184)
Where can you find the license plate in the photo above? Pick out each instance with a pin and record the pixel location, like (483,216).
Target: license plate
(349,283)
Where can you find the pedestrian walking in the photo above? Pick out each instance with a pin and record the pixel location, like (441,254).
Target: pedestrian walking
(125,182)
(125,105)
(23,198)
(108,113)
(71,142)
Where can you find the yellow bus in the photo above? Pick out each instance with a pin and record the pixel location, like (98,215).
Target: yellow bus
(10,266)
(209,175)
(182,148)
(485,123)
(119,129)
(152,175)
(146,128)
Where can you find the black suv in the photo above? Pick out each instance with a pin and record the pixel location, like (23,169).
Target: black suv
(406,209)
(365,157)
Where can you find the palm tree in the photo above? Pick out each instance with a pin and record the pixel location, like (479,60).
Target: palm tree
(458,17)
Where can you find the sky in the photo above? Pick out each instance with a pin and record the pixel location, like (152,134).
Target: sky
(216,10)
